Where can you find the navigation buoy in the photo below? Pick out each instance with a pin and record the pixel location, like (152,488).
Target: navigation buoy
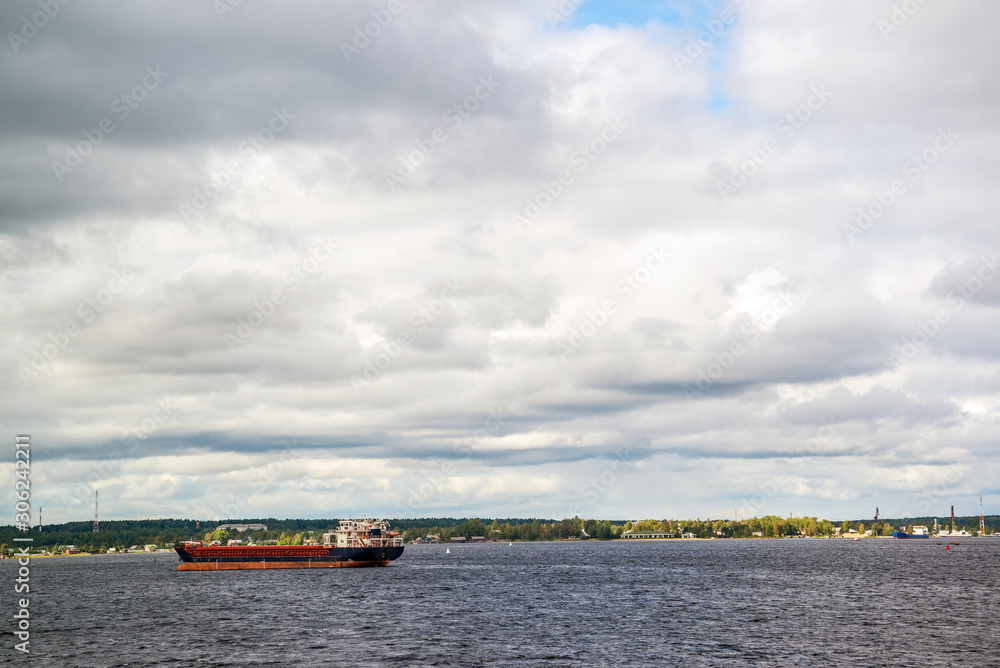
(447,551)
(947,547)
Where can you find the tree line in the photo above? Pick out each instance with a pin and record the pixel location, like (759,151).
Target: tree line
(122,534)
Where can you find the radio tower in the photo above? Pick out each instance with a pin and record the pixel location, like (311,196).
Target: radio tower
(982,520)
(95,511)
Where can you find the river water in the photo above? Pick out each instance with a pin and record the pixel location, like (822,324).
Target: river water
(803,602)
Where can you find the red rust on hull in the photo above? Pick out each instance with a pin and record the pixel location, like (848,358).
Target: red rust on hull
(268,565)
(246,552)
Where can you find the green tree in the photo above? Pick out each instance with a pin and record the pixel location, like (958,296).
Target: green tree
(470,528)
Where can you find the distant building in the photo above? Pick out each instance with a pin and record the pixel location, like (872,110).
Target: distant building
(687,535)
(243,527)
(479,539)
(646,535)
(759,533)
(234,541)
(457,539)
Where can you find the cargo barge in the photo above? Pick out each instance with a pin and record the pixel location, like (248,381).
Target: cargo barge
(355,544)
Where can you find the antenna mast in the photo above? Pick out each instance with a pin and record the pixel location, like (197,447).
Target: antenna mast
(982,520)
(95,511)
(953,519)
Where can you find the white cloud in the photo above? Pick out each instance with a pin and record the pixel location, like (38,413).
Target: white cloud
(825,353)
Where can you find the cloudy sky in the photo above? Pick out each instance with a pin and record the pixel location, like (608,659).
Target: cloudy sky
(620,259)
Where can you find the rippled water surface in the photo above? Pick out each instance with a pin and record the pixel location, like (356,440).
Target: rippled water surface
(810,602)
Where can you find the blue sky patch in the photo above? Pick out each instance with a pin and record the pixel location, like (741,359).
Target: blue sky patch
(611,13)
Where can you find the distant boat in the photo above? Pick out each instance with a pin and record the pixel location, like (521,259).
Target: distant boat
(510,544)
(961,533)
(447,551)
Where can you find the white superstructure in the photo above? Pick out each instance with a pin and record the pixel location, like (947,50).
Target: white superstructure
(362,533)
